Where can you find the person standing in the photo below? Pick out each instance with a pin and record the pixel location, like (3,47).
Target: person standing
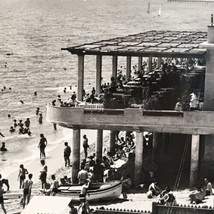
(2,199)
(98,171)
(85,145)
(27,190)
(43,175)
(42,145)
(21,175)
(67,153)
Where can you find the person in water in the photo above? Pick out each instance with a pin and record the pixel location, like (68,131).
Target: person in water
(12,129)
(3,147)
(1,134)
(42,145)
(40,118)
(22,175)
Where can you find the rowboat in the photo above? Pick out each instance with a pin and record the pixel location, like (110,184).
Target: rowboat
(98,191)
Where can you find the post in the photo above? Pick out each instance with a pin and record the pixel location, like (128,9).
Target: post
(128,66)
(140,59)
(99,144)
(150,64)
(159,62)
(80,77)
(98,73)
(112,142)
(75,155)
(138,158)
(114,66)
(155,147)
(194,164)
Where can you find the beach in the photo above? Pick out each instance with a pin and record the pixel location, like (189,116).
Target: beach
(31,60)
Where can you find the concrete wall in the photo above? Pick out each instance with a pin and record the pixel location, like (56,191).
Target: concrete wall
(192,122)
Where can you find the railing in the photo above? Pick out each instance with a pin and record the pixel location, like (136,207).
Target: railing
(180,209)
(119,211)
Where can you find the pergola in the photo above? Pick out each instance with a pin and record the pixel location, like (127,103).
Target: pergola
(159,44)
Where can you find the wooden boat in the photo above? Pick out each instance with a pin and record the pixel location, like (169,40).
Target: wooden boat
(98,191)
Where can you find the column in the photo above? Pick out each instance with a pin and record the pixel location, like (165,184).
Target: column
(98,73)
(138,158)
(75,155)
(150,64)
(80,77)
(159,62)
(112,142)
(155,148)
(194,164)
(99,144)
(114,66)
(140,59)
(128,66)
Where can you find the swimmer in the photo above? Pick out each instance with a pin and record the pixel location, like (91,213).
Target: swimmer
(12,129)
(15,123)
(4,88)
(21,101)
(40,118)
(54,103)
(64,90)
(3,148)
(10,89)
(35,93)
(27,122)
(9,116)
(37,111)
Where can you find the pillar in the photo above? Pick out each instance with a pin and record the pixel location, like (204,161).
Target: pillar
(80,77)
(114,66)
(159,62)
(75,155)
(155,148)
(138,158)
(128,66)
(98,74)
(150,64)
(194,164)
(140,59)
(112,142)
(99,144)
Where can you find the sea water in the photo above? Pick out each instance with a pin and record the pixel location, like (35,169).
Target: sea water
(32,33)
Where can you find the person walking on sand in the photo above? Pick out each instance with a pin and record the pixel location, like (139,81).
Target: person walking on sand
(43,173)
(42,145)
(85,145)
(67,153)
(27,190)
(2,199)
(22,175)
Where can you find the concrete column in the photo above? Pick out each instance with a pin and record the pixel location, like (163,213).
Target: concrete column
(99,144)
(112,142)
(98,73)
(150,63)
(75,155)
(140,59)
(159,62)
(80,77)
(128,66)
(155,148)
(138,158)
(114,66)
(194,164)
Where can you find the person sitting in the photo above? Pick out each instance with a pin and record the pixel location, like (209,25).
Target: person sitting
(73,210)
(82,175)
(208,188)
(166,196)
(53,190)
(3,147)
(153,190)
(198,195)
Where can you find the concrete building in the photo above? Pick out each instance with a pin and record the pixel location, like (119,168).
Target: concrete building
(197,126)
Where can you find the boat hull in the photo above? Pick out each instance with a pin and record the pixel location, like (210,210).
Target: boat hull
(104,191)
